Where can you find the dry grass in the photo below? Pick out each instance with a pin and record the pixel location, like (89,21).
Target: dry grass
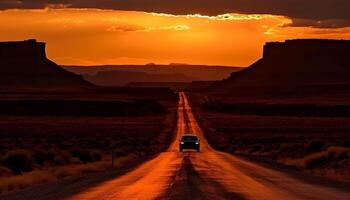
(73,170)
(41,142)
(52,144)
(332,156)
(319,145)
(333,163)
(13,183)
(25,180)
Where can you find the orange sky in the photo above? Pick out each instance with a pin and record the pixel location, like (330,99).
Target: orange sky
(92,36)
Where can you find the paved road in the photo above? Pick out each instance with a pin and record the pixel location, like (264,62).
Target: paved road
(206,175)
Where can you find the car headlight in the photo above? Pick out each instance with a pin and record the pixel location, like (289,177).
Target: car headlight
(197,142)
(182,143)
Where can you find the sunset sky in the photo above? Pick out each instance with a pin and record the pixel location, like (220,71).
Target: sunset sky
(86,32)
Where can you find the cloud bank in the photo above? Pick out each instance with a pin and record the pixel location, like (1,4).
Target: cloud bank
(315,13)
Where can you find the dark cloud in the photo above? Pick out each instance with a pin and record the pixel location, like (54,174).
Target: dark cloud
(332,13)
(327,23)
(126,28)
(7,4)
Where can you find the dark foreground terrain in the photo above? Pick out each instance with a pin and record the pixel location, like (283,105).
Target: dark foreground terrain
(309,134)
(290,107)
(209,174)
(47,136)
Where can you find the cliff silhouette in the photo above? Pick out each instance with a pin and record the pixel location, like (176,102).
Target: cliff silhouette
(24,64)
(295,63)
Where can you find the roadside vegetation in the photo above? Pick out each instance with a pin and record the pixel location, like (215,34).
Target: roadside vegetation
(314,143)
(40,144)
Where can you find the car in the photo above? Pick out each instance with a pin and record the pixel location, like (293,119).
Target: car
(189,141)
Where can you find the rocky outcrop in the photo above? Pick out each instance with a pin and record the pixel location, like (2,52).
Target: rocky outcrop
(24,64)
(295,63)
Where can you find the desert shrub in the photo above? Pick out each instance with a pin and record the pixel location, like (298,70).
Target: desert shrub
(66,156)
(314,160)
(283,148)
(61,158)
(5,172)
(268,148)
(96,155)
(75,160)
(338,153)
(86,155)
(332,155)
(41,156)
(121,152)
(83,154)
(316,146)
(289,150)
(19,161)
(58,161)
(255,148)
(346,143)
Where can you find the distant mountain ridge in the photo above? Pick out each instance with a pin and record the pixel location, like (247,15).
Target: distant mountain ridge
(24,64)
(294,63)
(122,78)
(191,72)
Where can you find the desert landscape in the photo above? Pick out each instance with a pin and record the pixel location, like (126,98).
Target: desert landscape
(174,100)
(266,113)
(54,134)
(52,129)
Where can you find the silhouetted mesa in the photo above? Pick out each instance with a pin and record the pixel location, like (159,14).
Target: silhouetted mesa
(24,64)
(295,63)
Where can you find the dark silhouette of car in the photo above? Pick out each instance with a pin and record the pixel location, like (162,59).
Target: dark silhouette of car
(189,141)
